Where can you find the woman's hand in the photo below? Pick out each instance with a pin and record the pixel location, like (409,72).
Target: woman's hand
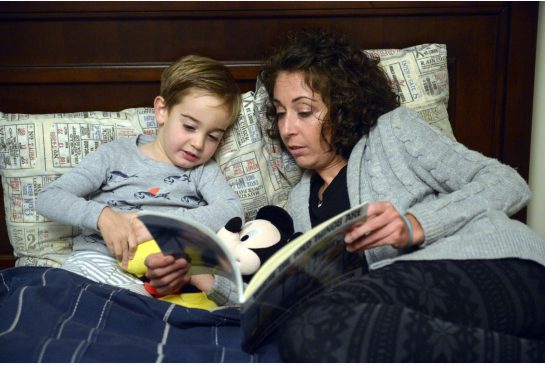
(166,274)
(117,231)
(383,226)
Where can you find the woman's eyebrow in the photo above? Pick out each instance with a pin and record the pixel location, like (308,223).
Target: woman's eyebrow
(303,97)
(295,99)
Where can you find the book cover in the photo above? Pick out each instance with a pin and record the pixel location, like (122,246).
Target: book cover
(294,274)
(195,242)
(305,266)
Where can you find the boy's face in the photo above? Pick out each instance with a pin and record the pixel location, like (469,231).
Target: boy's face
(191,131)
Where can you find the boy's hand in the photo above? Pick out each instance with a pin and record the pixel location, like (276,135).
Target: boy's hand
(203,282)
(141,232)
(166,274)
(117,231)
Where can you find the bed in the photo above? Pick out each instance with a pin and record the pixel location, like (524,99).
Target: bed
(71,70)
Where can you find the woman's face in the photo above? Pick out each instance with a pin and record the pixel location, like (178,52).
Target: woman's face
(301,115)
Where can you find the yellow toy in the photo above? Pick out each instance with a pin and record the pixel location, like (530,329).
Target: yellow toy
(251,244)
(137,267)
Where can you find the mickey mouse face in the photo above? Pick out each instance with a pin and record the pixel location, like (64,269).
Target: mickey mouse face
(259,233)
(246,242)
(254,242)
(254,236)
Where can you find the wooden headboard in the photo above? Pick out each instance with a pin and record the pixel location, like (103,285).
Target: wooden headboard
(82,56)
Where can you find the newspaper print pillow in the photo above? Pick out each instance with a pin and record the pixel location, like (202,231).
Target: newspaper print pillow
(419,75)
(256,166)
(37,149)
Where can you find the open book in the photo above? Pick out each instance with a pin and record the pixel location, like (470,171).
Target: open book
(303,267)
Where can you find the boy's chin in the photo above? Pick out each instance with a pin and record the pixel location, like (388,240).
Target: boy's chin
(186,164)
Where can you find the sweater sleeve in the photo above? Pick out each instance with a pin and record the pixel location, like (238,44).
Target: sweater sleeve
(66,200)
(297,204)
(223,292)
(222,203)
(465,182)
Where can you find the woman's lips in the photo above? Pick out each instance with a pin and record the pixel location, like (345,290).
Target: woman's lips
(296,150)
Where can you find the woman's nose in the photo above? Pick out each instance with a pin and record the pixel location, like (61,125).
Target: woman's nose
(286,126)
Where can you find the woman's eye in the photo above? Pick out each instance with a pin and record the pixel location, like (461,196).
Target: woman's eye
(305,114)
(280,115)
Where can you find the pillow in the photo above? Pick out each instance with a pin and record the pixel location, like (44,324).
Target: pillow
(37,149)
(255,165)
(419,75)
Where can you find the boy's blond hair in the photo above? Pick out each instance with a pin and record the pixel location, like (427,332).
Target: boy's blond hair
(203,73)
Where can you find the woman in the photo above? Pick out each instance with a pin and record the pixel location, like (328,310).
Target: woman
(450,276)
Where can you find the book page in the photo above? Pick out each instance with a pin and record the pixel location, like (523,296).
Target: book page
(322,232)
(197,243)
(308,265)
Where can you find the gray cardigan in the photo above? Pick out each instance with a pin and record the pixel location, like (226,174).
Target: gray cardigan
(461,198)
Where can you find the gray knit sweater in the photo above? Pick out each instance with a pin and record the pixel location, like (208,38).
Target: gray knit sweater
(461,198)
(120,176)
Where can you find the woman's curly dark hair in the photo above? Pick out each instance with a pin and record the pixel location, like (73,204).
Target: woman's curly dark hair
(354,88)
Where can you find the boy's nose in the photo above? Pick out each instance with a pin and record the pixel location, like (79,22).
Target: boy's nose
(198,142)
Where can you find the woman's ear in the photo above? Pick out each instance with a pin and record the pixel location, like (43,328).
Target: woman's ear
(161,110)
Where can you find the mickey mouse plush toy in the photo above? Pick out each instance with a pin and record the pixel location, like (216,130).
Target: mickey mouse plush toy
(251,244)
(254,242)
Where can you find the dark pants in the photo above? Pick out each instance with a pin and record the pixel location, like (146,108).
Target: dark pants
(425,311)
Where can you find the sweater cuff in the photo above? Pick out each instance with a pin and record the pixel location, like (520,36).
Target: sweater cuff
(222,291)
(93,212)
(432,223)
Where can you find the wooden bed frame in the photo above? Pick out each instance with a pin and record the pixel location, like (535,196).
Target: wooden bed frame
(82,56)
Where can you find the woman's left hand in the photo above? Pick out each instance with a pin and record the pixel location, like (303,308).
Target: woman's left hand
(166,274)
(383,226)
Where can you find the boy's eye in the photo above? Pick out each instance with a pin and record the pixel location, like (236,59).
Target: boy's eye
(214,137)
(189,127)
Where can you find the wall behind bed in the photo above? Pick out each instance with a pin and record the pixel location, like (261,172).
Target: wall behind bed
(108,56)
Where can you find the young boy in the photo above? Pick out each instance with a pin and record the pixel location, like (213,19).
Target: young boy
(172,173)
